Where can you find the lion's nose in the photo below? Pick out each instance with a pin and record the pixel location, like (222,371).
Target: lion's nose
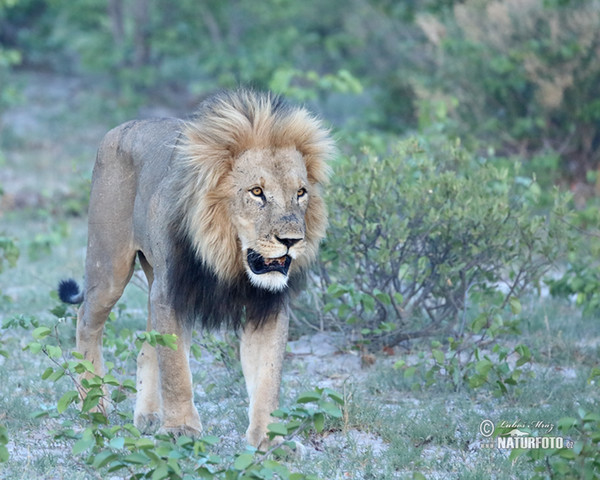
(288,242)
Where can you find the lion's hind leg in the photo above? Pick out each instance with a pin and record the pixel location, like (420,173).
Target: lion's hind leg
(108,270)
(147,415)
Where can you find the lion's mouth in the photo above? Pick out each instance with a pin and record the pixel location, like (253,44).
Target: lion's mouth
(259,264)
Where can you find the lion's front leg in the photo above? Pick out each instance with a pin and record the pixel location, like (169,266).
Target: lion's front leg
(179,415)
(262,350)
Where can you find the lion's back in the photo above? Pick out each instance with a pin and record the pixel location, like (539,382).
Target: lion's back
(132,161)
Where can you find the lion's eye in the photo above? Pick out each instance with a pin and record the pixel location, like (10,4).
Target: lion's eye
(257,192)
(301,192)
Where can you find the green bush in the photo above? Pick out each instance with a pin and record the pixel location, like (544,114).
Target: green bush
(431,241)
(580,276)
(424,242)
(582,460)
(522,75)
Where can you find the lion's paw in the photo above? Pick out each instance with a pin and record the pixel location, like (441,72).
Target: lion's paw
(292,448)
(147,423)
(182,430)
(297,451)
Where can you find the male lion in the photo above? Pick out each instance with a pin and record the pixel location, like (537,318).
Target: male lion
(225,214)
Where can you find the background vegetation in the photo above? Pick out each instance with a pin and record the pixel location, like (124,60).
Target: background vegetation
(462,256)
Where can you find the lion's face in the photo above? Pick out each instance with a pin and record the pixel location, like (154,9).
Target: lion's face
(271,195)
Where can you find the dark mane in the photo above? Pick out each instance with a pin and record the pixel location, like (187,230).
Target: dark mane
(198,295)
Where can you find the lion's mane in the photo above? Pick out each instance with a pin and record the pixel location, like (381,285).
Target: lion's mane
(206,274)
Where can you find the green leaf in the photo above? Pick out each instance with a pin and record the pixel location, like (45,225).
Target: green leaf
(67,399)
(330,409)
(591,417)
(118,396)
(479,323)
(566,453)
(136,458)
(160,473)
(58,374)
(335,396)
(566,423)
(34,347)
(525,355)
(83,444)
(368,302)
(91,401)
(110,380)
(144,443)
(103,458)
(84,366)
(277,429)
(309,396)
(243,461)
(515,305)
(4,455)
(439,356)
(319,422)
(129,384)
(382,297)
(41,332)
(167,340)
(484,366)
(117,443)
(210,440)
(53,351)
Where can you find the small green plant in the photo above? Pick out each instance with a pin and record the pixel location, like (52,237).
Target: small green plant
(580,460)
(461,364)
(9,253)
(111,443)
(42,243)
(580,278)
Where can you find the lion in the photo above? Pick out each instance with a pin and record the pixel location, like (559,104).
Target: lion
(225,213)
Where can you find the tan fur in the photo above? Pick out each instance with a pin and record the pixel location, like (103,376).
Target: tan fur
(148,176)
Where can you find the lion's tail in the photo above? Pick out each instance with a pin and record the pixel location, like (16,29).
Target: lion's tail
(69,292)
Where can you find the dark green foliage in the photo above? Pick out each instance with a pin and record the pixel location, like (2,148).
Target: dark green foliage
(580,460)
(522,75)
(580,277)
(425,241)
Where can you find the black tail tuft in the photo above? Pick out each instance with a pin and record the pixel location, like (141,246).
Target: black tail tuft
(68,291)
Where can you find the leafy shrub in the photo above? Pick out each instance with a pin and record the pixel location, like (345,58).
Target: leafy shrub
(423,242)
(462,364)
(580,461)
(580,276)
(105,445)
(521,74)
